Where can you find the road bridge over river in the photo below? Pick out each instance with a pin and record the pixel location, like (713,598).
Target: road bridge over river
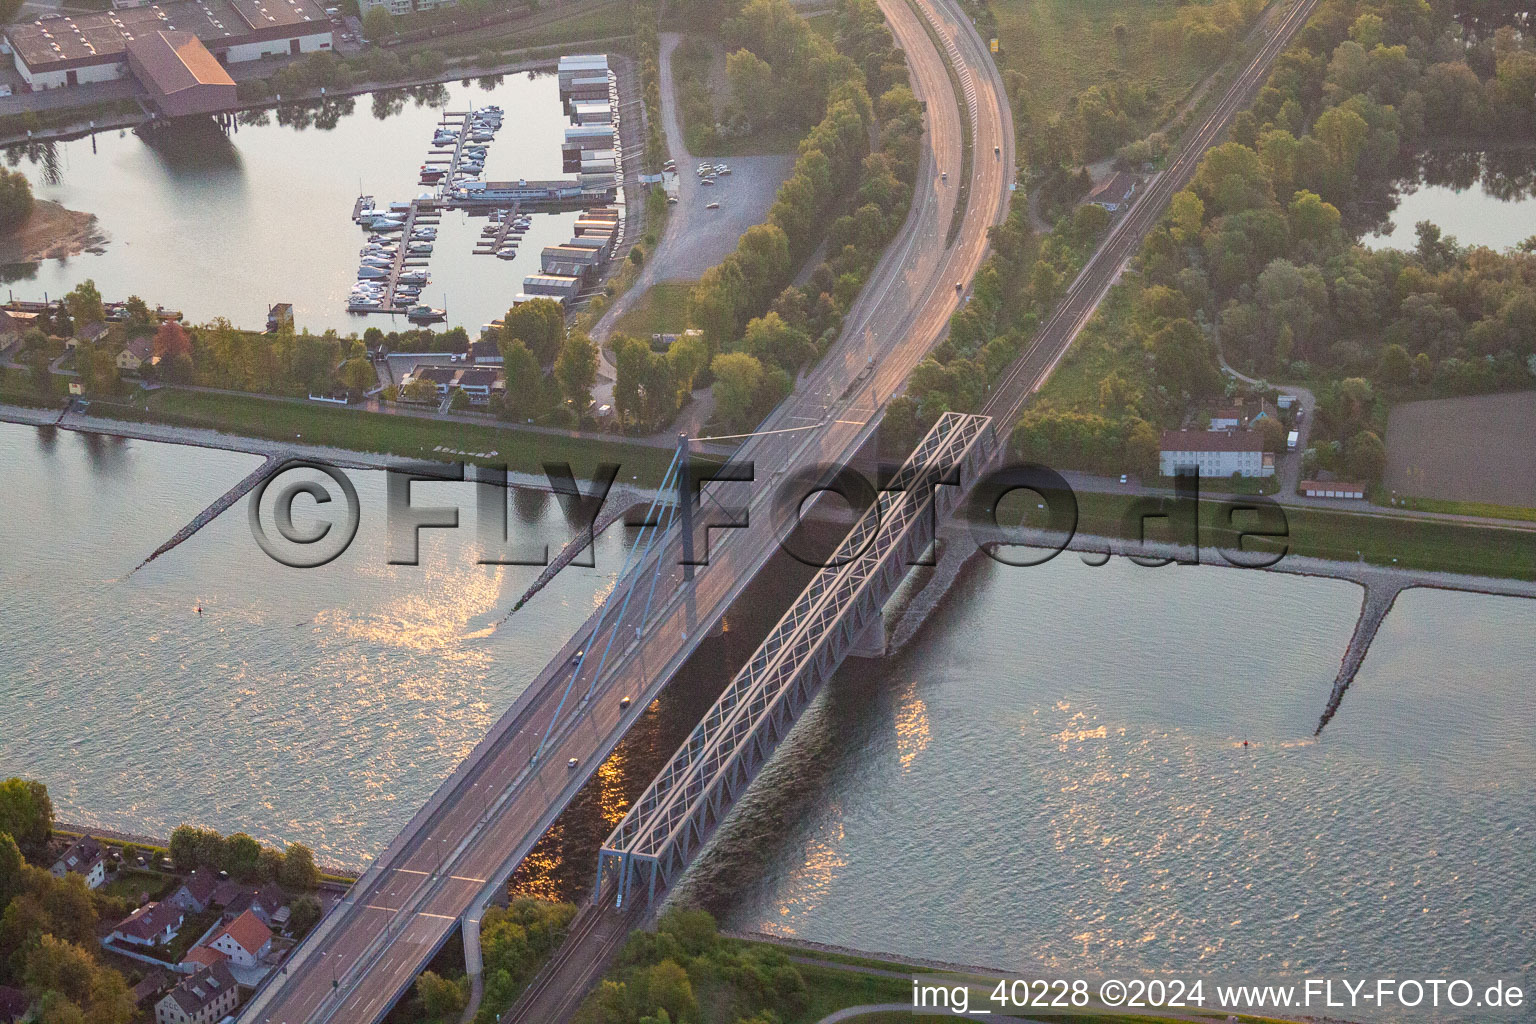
(459,849)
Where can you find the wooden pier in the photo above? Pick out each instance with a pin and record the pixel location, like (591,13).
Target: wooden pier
(490,245)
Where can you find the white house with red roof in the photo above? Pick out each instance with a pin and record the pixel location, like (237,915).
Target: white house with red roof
(245,940)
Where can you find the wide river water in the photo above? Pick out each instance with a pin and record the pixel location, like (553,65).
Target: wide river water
(1054,774)
(225,225)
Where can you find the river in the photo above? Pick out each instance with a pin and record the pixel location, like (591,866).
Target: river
(1113,769)
(321,705)
(1053,775)
(226,225)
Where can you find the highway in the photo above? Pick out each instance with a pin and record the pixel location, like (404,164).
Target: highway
(1124,240)
(483,819)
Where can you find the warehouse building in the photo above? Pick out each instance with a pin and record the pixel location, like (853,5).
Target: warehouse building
(180,73)
(58,50)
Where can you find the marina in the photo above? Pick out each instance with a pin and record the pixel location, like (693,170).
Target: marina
(286,186)
(394,264)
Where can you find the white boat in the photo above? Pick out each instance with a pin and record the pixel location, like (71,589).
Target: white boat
(509,253)
(388,225)
(424,233)
(403,206)
(413,277)
(365,271)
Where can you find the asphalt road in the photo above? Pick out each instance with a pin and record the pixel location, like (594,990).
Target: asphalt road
(489,813)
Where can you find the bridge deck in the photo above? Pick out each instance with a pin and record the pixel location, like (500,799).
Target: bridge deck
(675,815)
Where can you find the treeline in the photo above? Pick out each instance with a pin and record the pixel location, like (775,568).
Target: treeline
(245,859)
(759,330)
(666,974)
(549,371)
(1262,245)
(48,925)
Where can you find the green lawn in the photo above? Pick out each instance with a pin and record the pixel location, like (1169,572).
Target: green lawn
(130,883)
(1379,537)
(663,308)
(408,436)
(1066,46)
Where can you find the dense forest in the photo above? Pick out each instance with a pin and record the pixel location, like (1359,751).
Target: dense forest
(1259,260)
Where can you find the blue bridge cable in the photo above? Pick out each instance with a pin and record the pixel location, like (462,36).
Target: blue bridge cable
(668,482)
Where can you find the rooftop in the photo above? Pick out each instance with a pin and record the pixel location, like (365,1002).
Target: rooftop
(247,931)
(150,920)
(203,988)
(177,61)
(87,38)
(1211,441)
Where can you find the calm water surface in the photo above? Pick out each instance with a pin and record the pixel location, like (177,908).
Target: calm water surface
(218,225)
(1055,777)
(1481,198)
(321,704)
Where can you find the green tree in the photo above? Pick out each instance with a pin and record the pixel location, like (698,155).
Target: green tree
(377,23)
(1184,360)
(668,988)
(524,379)
(576,370)
(15,199)
(1365,456)
(84,303)
(540,324)
(738,378)
(303,914)
(440,997)
(242,856)
(11,863)
(298,869)
(26,814)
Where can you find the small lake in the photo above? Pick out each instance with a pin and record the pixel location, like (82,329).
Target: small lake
(1480,198)
(225,225)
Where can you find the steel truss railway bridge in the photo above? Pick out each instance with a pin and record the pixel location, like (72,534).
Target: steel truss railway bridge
(657,839)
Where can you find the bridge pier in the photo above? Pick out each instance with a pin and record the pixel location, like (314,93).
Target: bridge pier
(871,641)
(474,963)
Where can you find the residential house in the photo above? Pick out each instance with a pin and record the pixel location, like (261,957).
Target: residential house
(13,322)
(199,957)
(14,1005)
(195,895)
(91,333)
(153,924)
(245,940)
(1215,453)
(135,354)
(85,858)
(268,903)
(478,382)
(1114,192)
(149,987)
(1243,415)
(209,995)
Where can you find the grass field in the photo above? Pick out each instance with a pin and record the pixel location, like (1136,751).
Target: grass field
(1066,46)
(1379,538)
(408,436)
(663,308)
